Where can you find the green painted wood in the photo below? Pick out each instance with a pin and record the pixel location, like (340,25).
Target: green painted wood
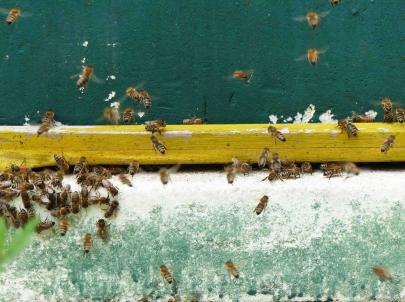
(184,50)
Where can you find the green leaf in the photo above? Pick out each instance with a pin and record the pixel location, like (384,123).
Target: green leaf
(3,231)
(21,239)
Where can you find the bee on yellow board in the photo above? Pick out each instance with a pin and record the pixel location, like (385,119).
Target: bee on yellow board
(312,18)
(312,55)
(13,14)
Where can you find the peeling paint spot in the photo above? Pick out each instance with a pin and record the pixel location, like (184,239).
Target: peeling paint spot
(284,130)
(178,133)
(383,129)
(309,130)
(110,96)
(273,118)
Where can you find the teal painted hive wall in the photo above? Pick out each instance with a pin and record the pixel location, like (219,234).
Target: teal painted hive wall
(183,51)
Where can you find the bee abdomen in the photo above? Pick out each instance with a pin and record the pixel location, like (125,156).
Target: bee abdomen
(63,227)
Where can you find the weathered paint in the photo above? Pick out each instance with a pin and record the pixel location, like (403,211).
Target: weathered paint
(185,51)
(200,144)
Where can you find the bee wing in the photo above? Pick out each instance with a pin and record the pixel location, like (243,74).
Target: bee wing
(324,14)
(300,18)
(174,169)
(4,11)
(97,80)
(140,85)
(74,76)
(322,50)
(301,58)
(25,14)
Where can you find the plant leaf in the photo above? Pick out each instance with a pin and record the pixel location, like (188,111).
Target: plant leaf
(21,239)
(3,231)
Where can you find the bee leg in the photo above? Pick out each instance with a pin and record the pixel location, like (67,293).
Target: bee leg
(265,178)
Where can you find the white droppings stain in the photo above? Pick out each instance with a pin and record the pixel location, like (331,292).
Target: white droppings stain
(7,57)
(178,133)
(306,117)
(371,113)
(85,43)
(334,133)
(112,77)
(327,117)
(141,114)
(83,60)
(115,105)
(289,119)
(110,96)
(58,124)
(27,120)
(81,89)
(273,118)
(112,44)
(383,129)
(284,130)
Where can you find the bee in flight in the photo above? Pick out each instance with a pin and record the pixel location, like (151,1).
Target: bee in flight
(382,273)
(128,115)
(276,134)
(140,95)
(86,75)
(312,55)
(13,14)
(232,269)
(262,205)
(164,173)
(312,18)
(388,144)
(112,115)
(243,75)
(263,158)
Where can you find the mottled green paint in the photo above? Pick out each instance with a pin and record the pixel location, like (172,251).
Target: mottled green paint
(184,50)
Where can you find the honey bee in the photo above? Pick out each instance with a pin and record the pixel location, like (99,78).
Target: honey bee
(102,229)
(291,172)
(382,273)
(275,163)
(193,121)
(63,226)
(109,187)
(263,158)
(14,216)
(331,169)
(166,274)
(400,115)
(81,166)
(84,194)
(276,134)
(231,268)
(25,198)
(87,243)
(12,14)
(60,212)
(312,55)
(61,162)
(351,168)
(388,144)
(37,181)
(128,115)
(23,216)
(57,179)
(85,76)
(44,225)
(312,18)
(158,146)
(230,174)
(155,126)
(133,167)
(389,115)
(112,115)
(306,167)
(125,180)
(273,175)
(165,174)
(140,95)
(335,2)
(112,209)
(75,202)
(47,122)
(348,127)
(101,171)
(243,75)
(362,119)
(262,205)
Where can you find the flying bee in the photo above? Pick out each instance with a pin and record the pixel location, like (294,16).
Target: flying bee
(243,75)
(23,216)
(112,115)
(81,166)
(351,168)
(85,76)
(312,55)
(335,2)
(362,119)
(263,158)
(63,226)
(193,121)
(133,167)
(275,162)
(125,180)
(262,205)
(87,243)
(382,273)
(388,144)
(157,145)
(230,174)
(306,167)
(164,173)
(61,162)
(276,134)
(140,95)
(75,197)
(312,18)
(44,225)
(109,187)
(112,209)
(128,115)
(102,229)
(400,115)
(166,274)
(389,115)
(232,269)
(13,14)
(155,126)
(47,122)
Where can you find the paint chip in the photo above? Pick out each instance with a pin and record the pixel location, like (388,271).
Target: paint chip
(273,118)
(111,95)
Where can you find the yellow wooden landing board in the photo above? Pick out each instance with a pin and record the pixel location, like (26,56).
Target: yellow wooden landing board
(198,144)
